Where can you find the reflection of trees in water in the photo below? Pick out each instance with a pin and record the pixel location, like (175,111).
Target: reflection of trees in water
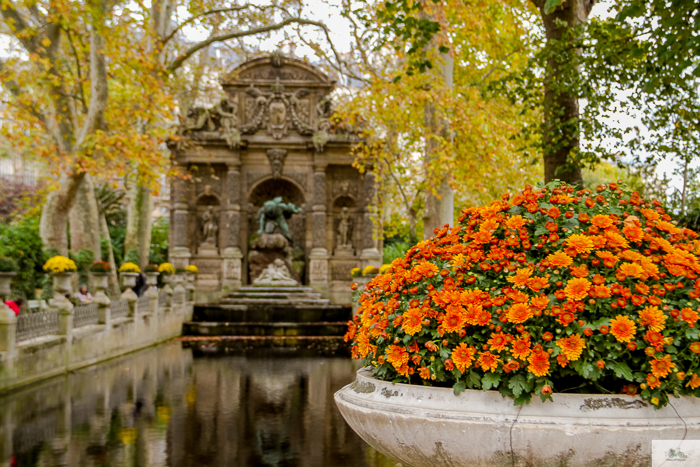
(162,408)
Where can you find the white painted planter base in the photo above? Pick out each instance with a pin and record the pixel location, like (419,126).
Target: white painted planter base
(427,426)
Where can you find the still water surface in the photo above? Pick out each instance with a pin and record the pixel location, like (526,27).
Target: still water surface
(166,406)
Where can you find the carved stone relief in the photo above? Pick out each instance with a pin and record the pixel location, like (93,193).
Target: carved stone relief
(340,271)
(276,158)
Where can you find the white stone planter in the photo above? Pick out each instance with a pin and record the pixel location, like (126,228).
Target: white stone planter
(427,426)
(5,280)
(152,278)
(128,279)
(62,283)
(100,280)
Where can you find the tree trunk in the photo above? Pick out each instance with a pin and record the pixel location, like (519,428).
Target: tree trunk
(54,215)
(139,220)
(561,110)
(113,284)
(439,205)
(84,220)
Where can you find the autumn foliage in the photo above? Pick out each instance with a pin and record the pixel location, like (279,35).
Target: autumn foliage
(549,290)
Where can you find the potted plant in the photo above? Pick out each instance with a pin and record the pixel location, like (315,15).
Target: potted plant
(192,271)
(166,271)
(8,270)
(128,272)
(587,301)
(61,270)
(100,271)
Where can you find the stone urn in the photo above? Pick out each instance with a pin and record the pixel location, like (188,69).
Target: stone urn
(167,290)
(179,290)
(5,280)
(429,426)
(100,281)
(128,280)
(62,283)
(152,279)
(189,285)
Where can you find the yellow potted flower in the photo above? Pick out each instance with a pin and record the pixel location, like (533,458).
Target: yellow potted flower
(61,270)
(128,273)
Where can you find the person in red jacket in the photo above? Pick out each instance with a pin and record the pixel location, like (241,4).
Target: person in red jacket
(15,305)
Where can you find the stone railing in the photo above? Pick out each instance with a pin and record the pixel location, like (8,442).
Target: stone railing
(86,315)
(41,345)
(35,325)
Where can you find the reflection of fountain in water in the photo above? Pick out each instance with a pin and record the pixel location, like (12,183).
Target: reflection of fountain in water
(161,407)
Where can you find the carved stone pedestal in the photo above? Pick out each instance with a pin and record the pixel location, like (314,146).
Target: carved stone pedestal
(371,257)
(318,271)
(232,267)
(264,250)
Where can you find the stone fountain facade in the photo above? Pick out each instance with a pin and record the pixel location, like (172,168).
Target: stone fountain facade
(271,136)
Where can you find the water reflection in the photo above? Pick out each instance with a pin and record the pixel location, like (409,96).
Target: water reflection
(165,407)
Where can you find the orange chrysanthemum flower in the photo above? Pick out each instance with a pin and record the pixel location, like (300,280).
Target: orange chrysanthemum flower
(521,348)
(463,356)
(631,269)
(521,277)
(412,321)
(539,363)
(538,283)
(653,318)
(602,221)
(488,361)
(397,355)
(579,271)
(695,347)
(623,328)
(577,289)
(519,313)
(633,233)
(666,227)
(608,258)
(580,243)
(653,381)
(497,341)
(516,222)
(694,381)
(572,346)
(690,316)
(650,214)
(539,302)
(600,291)
(424,372)
(656,339)
(453,322)
(661,367)
(559,260)
(615,240)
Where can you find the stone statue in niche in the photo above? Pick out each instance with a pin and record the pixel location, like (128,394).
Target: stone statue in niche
(344,234)
(227,112)
(209,228)
(274,214)
(275,274)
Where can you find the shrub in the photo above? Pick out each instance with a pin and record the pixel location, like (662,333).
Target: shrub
(100,266)
(180,270)
(83,259)
(166,268)
(21,242)
(192,269)
(8,264)
(151,268)
(129,267)
(554,289)
(59,264)
(159,240)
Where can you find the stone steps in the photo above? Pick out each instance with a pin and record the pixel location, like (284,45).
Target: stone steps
(279,329)
(222,345)
(295,314)
(270,316)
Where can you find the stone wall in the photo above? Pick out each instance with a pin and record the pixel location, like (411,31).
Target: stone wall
(43,357)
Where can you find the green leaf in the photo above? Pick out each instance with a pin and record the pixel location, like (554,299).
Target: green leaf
(473,380)
(518,384)
(623,371)
(490,380)
(459,387)
(551,5)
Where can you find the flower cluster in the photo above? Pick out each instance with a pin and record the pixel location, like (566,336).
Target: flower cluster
(59,264)
(356,272)
(129,267)
(370,271)
(192,269)
(166,268)
(550,290)
(100,267)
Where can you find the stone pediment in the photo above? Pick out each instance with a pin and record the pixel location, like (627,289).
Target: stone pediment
(269,69)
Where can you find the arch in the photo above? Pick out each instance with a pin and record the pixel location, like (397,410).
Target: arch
(268,188)
(208,199)
(344,201)
(291,69)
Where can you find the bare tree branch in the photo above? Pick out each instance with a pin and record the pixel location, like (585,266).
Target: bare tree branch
(177,63)
(19,27)
(206,13)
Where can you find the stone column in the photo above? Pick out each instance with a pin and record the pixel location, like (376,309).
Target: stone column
(8,330)
(370,256)
(232,255)
(318,259)
(179,224)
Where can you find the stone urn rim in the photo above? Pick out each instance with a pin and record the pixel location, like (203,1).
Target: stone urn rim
(8,274)
(390,417)
(62,274)
(129,273)
(100,274)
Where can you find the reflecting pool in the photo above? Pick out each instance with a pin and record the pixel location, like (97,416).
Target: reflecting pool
(174,406)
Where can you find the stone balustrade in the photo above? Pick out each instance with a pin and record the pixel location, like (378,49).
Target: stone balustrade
(41,345)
